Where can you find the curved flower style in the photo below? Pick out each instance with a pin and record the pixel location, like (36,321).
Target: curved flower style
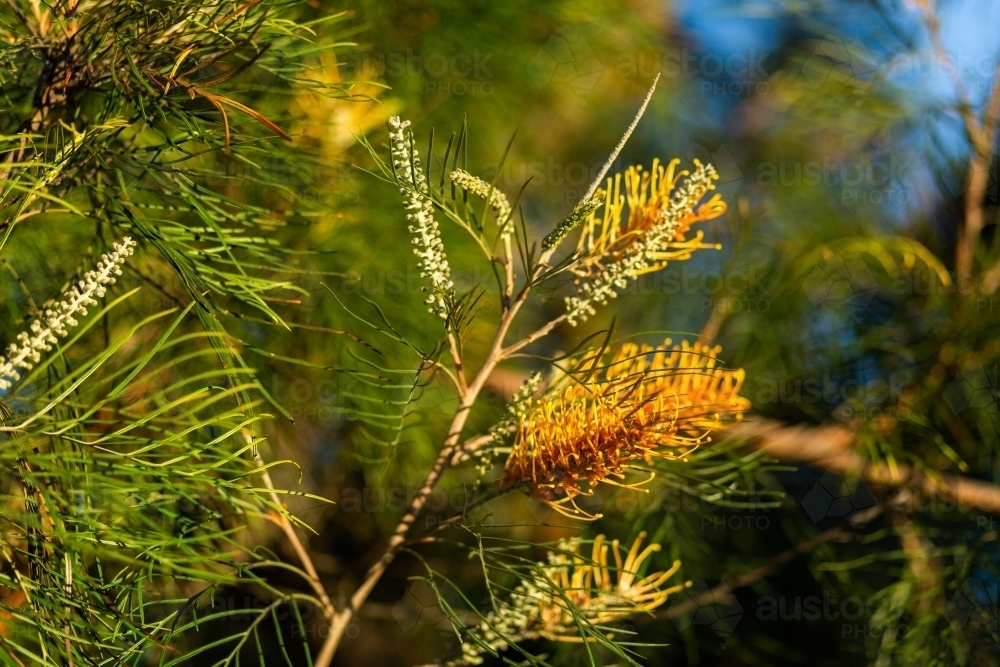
(663,203)
(572,588)
(45,332)
(648,402)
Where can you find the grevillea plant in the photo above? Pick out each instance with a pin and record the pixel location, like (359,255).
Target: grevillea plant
(607,413)
(137,499)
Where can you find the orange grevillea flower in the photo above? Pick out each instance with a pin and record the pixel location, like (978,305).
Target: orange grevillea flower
(602,592)
(637,405)
(662,204)
(655,203)
(574,589)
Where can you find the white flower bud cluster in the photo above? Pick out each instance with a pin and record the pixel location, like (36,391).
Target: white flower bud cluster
(433,263)
(528,614)
(477,186)
(45,332)
(516,410)
(516,621)
(536,607)
(640,255)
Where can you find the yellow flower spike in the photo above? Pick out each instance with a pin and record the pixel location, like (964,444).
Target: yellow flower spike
(640,404)
(646,195)
(569,588)
(627,575)
(662,203)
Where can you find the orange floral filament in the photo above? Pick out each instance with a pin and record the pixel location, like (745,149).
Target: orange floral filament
(645,403)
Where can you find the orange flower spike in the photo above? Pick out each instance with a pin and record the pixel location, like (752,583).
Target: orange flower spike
(643,403)
(662,203)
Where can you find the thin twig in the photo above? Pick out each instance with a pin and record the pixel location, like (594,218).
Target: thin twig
(455,347)
(344,617)
(469,446)
(982,137)
(282,520)
(542,331)
(458,516)
(621,144)
(724,589)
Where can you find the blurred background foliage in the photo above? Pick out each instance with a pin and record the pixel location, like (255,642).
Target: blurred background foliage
(846,159)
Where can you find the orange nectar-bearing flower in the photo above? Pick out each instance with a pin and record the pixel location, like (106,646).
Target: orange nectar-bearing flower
(570,588)
(648,195)
(644,403)
(601,593)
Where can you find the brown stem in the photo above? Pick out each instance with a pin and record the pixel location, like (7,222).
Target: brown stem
(288,529)
(451,446)
(455,347)
(923,565)
(832,447)
(541,332)
(343,618)
(982,136)
(469,447)
(282,520)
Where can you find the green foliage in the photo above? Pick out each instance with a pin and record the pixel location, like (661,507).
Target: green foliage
(136,509)
(132,498)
